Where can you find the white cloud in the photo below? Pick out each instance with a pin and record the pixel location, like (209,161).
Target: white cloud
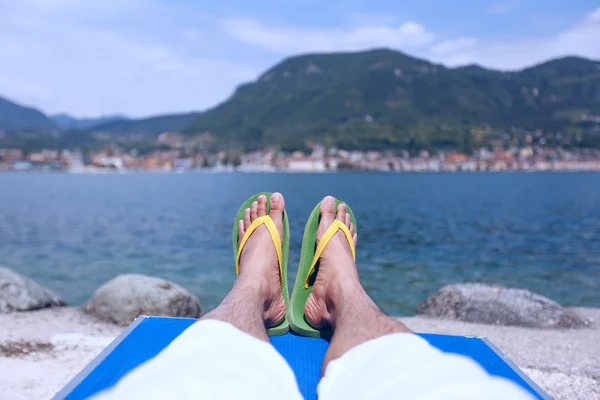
(67,55)
(143,57)
(581,40)
(290,40)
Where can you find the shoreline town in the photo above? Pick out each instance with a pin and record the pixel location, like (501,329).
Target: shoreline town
(529,158)
(174,153)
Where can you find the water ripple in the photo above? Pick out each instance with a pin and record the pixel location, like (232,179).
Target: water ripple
(417,232)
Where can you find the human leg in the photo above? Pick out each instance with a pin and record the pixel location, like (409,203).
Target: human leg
(255,302)
(338,298)
(374,356)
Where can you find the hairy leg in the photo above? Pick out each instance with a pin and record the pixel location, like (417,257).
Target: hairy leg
(338,298)
(255,302)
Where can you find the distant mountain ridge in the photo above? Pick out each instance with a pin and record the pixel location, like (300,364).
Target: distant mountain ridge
(17,117)
(65,121)
(150,125)
(377,99)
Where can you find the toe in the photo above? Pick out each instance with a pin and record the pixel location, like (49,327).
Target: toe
(341,213)
(254,211)
(262,205)
(247,220)
(241,230)
(276,212)
(355,239)
(277,206)
(351,228)
(327,209)
(348,221)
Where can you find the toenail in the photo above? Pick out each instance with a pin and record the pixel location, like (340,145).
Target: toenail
(331,201)
(274,198)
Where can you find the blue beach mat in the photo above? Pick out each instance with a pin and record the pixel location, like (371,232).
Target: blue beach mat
(147,336)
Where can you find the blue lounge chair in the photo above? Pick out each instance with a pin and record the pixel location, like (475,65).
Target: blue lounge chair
(147,336)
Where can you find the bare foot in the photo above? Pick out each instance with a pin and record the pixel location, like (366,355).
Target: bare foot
(337,269)
(259,257)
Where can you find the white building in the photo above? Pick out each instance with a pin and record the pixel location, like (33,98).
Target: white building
(306,165)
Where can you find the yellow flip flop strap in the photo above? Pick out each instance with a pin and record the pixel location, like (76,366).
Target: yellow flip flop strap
(268,222)
(329,234)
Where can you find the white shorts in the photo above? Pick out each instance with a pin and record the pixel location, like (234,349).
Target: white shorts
(214,360)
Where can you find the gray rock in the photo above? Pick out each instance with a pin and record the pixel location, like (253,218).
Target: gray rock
(494,304)
(125,297)
(18,293)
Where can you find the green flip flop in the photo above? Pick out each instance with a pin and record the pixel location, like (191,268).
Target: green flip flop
(309,267)
(282,254)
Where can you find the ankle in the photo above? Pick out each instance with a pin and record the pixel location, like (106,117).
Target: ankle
(261,294)
(344,293)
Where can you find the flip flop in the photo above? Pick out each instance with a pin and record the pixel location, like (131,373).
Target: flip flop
(281,244)
(309,267)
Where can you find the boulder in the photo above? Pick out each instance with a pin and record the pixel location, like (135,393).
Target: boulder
(18,293)
(125,297)
(500,305)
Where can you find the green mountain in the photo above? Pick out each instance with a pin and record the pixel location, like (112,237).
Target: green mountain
(378,99)
(387,99)
(66,122)
(16,117)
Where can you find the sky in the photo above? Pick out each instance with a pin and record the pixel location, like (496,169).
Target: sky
(146,57)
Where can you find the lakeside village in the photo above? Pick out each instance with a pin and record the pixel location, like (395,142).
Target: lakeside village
(531,157)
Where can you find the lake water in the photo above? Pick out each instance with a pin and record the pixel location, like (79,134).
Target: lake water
(417,232)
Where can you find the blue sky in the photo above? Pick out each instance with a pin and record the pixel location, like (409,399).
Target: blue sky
(144,57)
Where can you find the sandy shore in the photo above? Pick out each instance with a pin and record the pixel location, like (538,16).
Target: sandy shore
(40,351)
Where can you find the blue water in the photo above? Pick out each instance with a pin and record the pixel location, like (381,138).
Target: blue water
(417,232)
